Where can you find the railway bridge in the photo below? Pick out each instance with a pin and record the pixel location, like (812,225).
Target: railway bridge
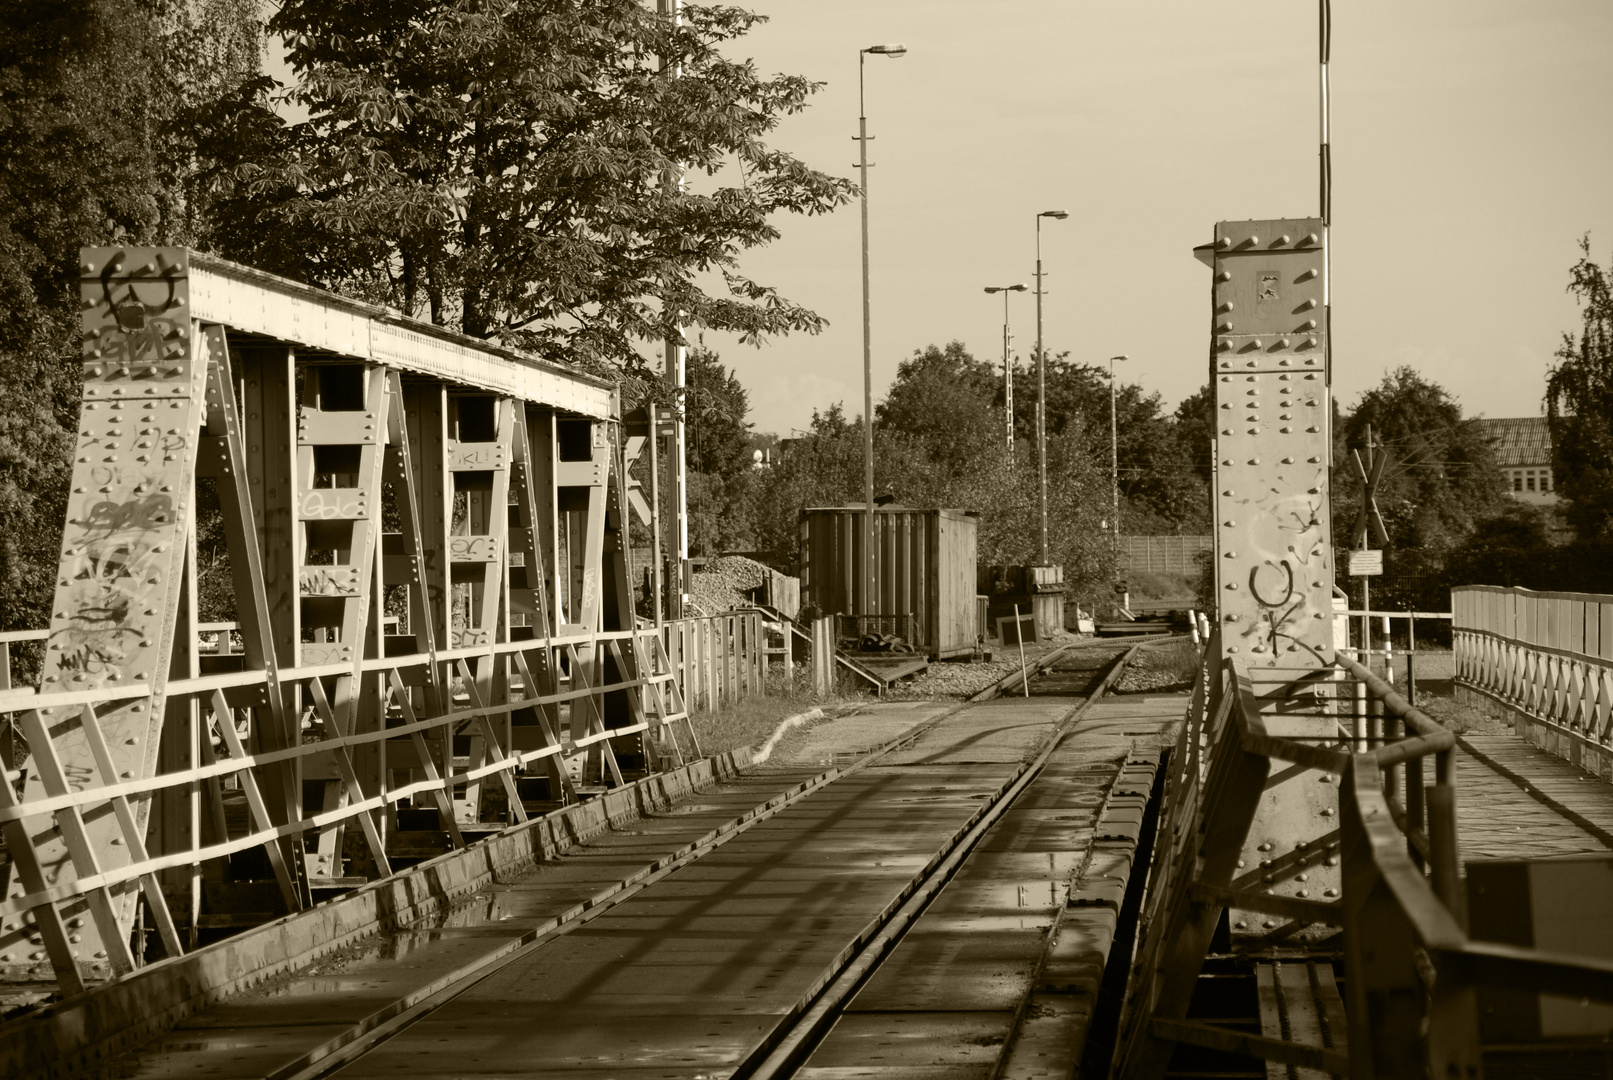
(442,811)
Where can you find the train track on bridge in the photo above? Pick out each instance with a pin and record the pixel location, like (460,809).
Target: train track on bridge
(802,898)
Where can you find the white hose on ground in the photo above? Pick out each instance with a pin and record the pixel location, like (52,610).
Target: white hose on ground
(766,749)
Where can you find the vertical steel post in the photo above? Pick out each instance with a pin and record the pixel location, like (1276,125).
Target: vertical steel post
(1041,406)
(657,579)
(676,366)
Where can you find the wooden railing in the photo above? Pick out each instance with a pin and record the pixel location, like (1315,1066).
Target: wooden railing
(1411,969)
(515,710)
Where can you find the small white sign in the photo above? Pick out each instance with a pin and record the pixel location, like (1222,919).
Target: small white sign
(1366,563)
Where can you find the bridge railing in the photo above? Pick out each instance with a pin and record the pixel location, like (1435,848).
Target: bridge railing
(1411,970)
(455,723)
(1545,660)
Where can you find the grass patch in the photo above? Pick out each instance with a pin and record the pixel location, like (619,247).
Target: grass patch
(749,721)
(1145,585)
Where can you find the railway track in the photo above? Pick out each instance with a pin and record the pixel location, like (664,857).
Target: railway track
(277,1036)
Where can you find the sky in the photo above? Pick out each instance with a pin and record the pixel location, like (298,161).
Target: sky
(1472,145)
(1472,148)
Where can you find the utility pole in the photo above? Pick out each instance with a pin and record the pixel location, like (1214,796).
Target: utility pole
(677,369)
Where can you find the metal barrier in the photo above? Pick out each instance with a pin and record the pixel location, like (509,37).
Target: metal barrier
(514,707)
(1411,969)
(1545,662)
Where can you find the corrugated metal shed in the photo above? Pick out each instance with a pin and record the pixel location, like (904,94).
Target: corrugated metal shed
(925,569)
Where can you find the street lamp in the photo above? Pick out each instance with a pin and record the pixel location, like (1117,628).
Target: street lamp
(1041,382)
(868,348)
(1114,459)
(1008,367)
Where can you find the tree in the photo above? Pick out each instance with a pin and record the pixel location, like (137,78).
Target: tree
(1159,484)
(947,401)
(508,167)
(716,405)
(1579,404)
(87,88)
(717,437)
(1442,477)
(1441,484)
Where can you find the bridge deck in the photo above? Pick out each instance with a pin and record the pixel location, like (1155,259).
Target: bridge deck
(695,972)
(1522,816)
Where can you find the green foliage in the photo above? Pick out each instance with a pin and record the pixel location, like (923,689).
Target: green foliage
(949,402)
(86,158)
(1160,486)
(938,442)
(1442,478)
(1579,403)
(508,167)
(1441,489)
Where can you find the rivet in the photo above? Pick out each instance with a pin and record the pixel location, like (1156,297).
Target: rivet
(1311,238)
(1223,276)
(1223,243)
(1232,618)
(1226,431)
(1327,811)
(1253,240)
(1254,461)
(1288,461)
(1280,241)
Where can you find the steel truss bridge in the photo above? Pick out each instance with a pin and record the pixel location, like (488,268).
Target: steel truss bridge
(442,810)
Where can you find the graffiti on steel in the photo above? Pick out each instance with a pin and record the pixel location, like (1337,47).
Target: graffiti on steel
(473,548)
(332,504)
(123,548)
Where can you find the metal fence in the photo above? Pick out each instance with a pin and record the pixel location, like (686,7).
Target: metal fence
(1163,554)
(1545,660)
(458,724)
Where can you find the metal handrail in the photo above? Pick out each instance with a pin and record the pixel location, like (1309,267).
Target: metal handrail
(1402,909)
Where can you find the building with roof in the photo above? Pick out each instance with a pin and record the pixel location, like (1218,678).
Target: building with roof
(1523,450)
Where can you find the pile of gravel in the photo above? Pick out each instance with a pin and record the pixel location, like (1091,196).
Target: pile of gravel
(722,584)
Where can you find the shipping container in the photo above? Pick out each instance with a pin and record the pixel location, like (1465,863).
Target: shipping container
(924,572)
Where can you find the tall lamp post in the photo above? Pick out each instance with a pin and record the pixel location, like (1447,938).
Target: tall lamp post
(868,575)
(1114,459)
(1041,383)
(1008,367)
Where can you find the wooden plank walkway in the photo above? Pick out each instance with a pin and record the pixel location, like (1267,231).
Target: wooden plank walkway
(1499,819)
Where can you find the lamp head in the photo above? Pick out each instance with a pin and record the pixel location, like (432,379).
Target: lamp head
(887,50)
(1057,215)
(1121,357)
(1017,288)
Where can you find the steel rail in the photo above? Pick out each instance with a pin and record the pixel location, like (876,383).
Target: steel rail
(797,1036)
(396,1017)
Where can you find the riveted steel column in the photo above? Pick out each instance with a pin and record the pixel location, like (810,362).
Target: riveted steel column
(1274,572)
(113,619)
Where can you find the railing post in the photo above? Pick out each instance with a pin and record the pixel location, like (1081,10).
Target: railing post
(1384,994)
(1442,843)
(823,656)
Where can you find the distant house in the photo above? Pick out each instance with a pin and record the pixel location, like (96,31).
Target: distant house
(1523,450)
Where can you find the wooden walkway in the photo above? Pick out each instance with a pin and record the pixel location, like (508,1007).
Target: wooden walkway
(1547,808)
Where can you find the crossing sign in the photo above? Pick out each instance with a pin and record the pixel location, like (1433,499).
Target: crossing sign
(1371,474)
